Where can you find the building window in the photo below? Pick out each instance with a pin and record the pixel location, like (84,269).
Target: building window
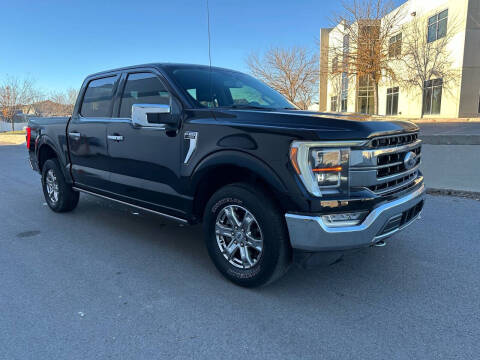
(333,103)
(365,103)
(346,44)
(392,101)
(346,52)
(437,26)
(432,96)
(335,65)
(395,46)
(344,104)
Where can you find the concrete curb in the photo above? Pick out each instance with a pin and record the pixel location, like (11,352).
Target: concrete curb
(457,193)
(450,139)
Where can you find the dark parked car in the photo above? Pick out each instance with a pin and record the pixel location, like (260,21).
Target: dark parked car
(200,144)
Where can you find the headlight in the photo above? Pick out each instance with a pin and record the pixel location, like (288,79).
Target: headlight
(322,170)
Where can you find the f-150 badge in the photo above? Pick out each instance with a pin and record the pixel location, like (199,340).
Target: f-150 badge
(192,136)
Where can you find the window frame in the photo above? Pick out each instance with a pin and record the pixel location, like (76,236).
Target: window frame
(87,82)
(123,83)
(365,91)
(435,84)
(334,100)
(395,46)
(391,94)
(344,93)
(436,23)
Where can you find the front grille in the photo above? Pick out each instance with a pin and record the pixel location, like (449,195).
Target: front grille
(393,140)
(391,164)
(402,219)
(384,169)
(392,185)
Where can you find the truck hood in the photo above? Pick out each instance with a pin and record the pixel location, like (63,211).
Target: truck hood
(313,125)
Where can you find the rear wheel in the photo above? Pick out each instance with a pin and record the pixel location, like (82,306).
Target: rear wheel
(59,195)
(246,236)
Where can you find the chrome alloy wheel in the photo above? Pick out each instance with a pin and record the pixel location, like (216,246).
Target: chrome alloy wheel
(52,186)
(239,236)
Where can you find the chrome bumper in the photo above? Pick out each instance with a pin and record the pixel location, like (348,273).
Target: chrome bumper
(311,234)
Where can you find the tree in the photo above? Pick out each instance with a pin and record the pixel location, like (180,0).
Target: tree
(14,95)
(293,72)
(363,32)
(424,59)
(63,102)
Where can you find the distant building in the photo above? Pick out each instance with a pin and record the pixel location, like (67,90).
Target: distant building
(347,94)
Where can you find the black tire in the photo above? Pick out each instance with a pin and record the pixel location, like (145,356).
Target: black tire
(276,255)
(67,198)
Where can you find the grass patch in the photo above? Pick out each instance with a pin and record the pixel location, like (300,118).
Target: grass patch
(12,139)
(18,132)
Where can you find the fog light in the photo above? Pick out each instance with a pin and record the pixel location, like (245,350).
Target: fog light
(346,219)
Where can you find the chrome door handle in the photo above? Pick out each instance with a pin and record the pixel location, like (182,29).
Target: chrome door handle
(115,137)
(75,135)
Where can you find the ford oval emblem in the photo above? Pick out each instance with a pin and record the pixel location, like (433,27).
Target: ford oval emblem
(410,160)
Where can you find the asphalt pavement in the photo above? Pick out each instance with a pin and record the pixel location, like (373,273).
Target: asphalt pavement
(108,282)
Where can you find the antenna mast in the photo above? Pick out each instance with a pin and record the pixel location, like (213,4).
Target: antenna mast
(209,40)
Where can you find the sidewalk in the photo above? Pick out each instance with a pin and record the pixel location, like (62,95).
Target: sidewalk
(451,133)
(451,167)
(451,152)
(446,167)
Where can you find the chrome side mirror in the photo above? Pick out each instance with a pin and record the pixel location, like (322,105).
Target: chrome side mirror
(152,115)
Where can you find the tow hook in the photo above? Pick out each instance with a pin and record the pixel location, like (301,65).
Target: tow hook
(381,243)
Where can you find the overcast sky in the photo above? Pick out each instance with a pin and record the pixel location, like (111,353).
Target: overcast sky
(59,42)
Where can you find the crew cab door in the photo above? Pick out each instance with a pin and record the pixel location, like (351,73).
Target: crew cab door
(144,160)
(87,133)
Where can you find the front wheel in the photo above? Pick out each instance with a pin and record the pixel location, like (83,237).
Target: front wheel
(246,235)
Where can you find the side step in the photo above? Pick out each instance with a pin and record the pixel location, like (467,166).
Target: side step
(171,217)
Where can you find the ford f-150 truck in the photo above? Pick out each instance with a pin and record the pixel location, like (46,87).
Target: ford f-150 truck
(201,144)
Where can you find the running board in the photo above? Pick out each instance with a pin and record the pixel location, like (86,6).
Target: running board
(171,217)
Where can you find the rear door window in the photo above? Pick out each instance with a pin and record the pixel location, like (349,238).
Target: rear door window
(142,88)
(97,101)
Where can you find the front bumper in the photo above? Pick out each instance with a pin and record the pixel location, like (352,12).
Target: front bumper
(310,233)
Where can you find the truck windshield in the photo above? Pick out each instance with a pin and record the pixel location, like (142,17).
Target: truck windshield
(221,88)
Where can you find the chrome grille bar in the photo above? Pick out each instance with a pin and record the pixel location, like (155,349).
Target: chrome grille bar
(384,170)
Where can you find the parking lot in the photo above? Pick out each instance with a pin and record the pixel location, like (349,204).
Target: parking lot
(107,282)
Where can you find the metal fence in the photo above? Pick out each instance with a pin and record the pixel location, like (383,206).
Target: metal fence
(7,126)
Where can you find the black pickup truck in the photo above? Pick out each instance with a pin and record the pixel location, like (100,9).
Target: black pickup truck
(200,144)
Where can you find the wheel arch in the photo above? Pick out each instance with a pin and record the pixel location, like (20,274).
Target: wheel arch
(46,149)
(227,167)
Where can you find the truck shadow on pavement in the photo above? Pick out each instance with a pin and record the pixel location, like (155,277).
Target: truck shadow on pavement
(156,239)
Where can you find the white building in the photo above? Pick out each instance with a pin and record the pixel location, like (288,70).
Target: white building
(460,99)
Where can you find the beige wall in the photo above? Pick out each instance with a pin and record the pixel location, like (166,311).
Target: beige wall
(460,98)
(470,88)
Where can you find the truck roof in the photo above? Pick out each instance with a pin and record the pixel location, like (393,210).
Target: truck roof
(158,65)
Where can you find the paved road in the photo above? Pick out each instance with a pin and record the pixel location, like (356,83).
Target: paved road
(102,283)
